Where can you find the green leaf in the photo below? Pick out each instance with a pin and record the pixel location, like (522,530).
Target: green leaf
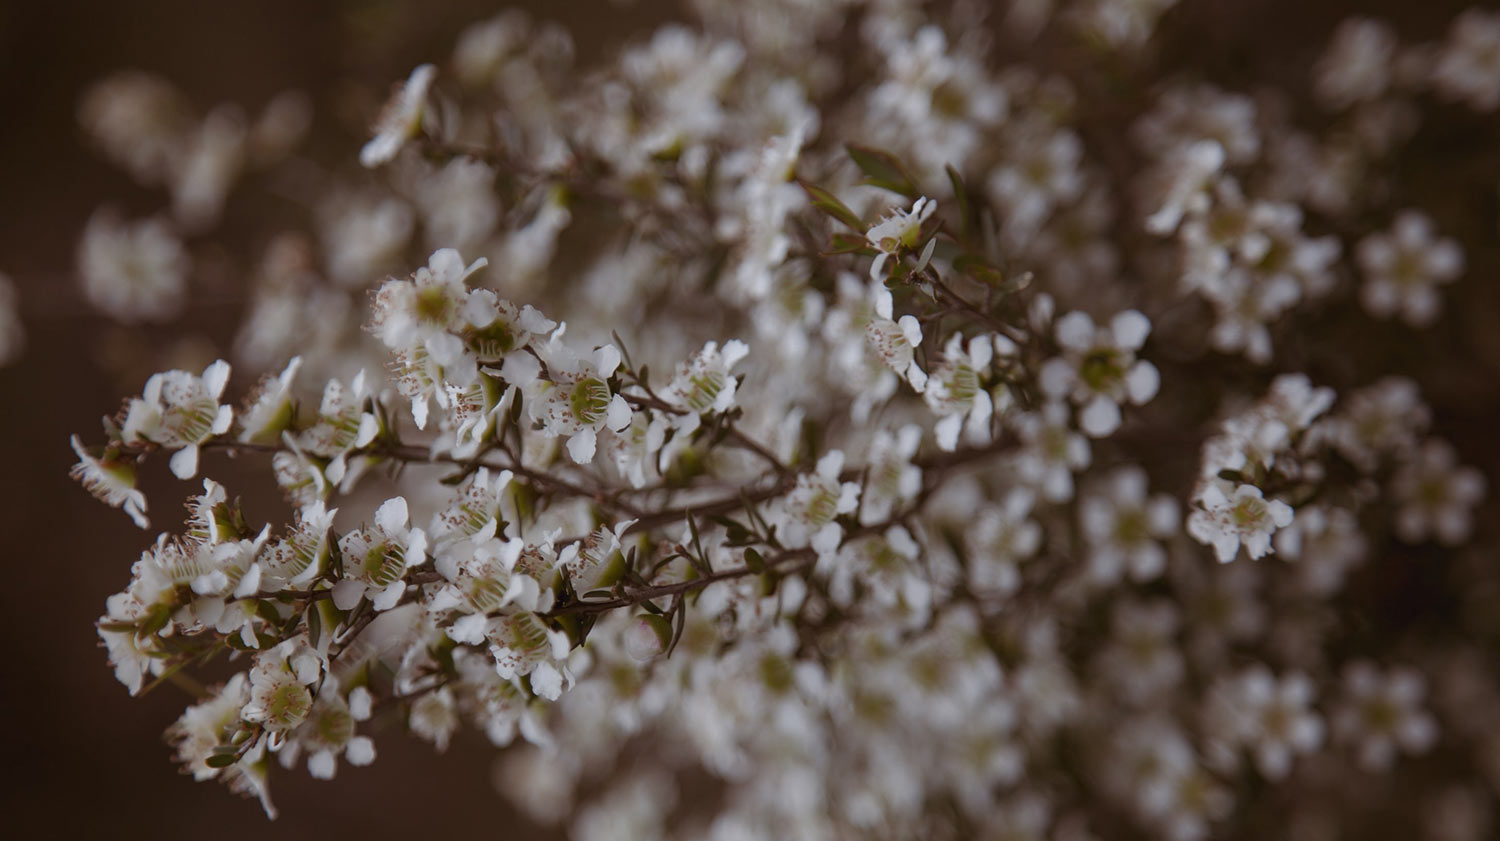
(883,170)
(755,561)
(830,204)
(965,205)
(155,619)
(978,268)
(223,756)
(842,243)
(314,626)
(679,621)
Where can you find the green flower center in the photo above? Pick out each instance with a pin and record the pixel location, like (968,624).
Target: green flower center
(590,400)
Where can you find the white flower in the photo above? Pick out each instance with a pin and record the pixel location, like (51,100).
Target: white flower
(208,724)
(294,560)
(133,272)
(280,697)
(703,383)
(578,402)
(1274,718)
(427,306)
(895,341)
(1436,496)
(180,410)
(400,119)
(998,540)
(595,561)
(376,559)
(344,425)
(1245,304)
(111,480)
(1124,526)
(807,514)
(474,514)
(268,411)
(1469,67)
(1325,542)
(1383,712)
(522,645)
(1053,451)
(329,731)
(498,328)
(955,392)
(1143,659)
(434,717)
(1357,66)
(1403,267)
(1189,174)
(900,231)
(1224,521)
(893,479)
(1098,369)
(1380,419)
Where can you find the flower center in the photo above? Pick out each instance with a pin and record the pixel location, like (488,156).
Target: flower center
(590,400)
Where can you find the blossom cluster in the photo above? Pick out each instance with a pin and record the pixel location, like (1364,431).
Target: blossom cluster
(910,437)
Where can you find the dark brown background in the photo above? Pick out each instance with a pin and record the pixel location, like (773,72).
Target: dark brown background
(80,758)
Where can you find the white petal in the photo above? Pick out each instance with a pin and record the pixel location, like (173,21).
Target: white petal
(831,463)
(1130,329)
(520,368)
(215,377)
(1100,417)
(1226,544)
(546,681)
(322,765)
(184,462)
(387,598)
(1075,331)
(911,329)
(249,582)
(445,263)
(1142,382)
(581,446)
(619,413)
(391,516)
(223,420)
(946,432)
(468,629)
(607,359)
(826,540)
(347,593)
(368,428)
(360,751)
(884,305)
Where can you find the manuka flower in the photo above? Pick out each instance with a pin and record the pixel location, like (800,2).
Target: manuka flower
(703,383)
(111,479)
(376,559)
(577,402)
(1225,520)
(1402,269)
(401,118)
(180,411)
(1098,369)
(898,232)
(807,514)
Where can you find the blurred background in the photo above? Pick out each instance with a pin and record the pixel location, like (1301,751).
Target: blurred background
(84,760)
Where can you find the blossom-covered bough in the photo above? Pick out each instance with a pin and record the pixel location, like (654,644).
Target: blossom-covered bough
(740,413)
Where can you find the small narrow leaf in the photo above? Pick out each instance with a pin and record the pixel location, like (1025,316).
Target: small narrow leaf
(830,204)
(883,170)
